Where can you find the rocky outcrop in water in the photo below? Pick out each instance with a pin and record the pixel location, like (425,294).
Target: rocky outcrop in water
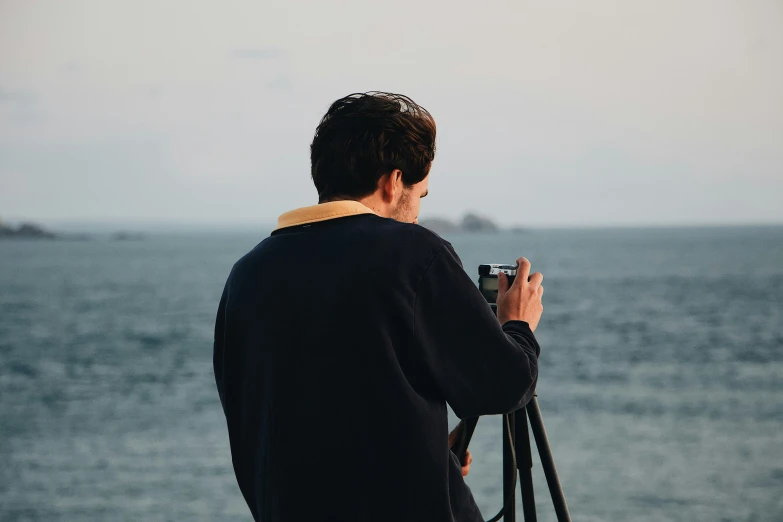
(124,235)
(470,223)
(25,231)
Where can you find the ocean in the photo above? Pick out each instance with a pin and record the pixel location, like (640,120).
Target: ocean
(661,376)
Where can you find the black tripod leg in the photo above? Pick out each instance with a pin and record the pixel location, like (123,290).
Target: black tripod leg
(466,433)
(547,462)
(509,471)
(525,465)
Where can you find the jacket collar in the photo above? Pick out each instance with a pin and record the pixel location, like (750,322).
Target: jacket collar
(321,212)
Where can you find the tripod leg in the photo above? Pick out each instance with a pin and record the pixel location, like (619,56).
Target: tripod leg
(461,447)
(547,461)
(525,465)
(509,471)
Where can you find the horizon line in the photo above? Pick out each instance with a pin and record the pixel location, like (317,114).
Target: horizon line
(169,224)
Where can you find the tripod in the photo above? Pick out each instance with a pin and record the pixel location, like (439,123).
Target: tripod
(517,457)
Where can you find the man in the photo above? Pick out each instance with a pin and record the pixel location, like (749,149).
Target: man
(341,337)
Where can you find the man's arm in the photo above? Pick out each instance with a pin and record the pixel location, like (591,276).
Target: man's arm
(479,366)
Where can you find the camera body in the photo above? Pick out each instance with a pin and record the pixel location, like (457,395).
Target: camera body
(488,279)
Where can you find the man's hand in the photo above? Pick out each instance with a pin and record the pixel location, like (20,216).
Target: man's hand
(453,439)
(521,301)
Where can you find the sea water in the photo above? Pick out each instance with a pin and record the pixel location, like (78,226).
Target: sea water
(661,376)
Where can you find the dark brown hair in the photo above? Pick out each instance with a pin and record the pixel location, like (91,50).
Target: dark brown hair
(366,135)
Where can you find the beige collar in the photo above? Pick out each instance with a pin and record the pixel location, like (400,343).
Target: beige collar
(321,212)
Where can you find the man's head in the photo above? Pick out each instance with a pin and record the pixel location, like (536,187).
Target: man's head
(376,148)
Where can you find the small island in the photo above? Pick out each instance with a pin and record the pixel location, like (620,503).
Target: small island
(25,231)
(124,235)
(470,223)
(29,230)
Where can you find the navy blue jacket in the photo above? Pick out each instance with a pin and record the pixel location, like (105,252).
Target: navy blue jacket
(338,344)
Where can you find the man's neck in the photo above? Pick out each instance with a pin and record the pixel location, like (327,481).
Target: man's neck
(374,202)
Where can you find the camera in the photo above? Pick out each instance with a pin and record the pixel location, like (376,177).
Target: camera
(488,279)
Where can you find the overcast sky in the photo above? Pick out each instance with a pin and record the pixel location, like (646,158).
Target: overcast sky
(549,113)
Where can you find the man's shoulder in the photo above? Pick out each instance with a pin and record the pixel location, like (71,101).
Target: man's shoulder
(414,233)
(368,235)
(418,240)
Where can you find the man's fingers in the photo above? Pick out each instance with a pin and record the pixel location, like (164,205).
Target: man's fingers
(541,290)
(523,268)
(466,464)
(536,279)
(502,285)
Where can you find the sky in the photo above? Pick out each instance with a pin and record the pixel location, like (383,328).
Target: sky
(549,113)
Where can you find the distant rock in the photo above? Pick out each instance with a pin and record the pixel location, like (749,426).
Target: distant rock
(29,230)
(127,236)
(474,223)
(25,231)
(470,223)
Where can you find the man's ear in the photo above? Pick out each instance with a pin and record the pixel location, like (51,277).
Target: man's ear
(386,188)
(390,185)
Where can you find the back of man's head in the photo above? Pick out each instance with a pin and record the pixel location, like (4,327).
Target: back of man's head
(364,136)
